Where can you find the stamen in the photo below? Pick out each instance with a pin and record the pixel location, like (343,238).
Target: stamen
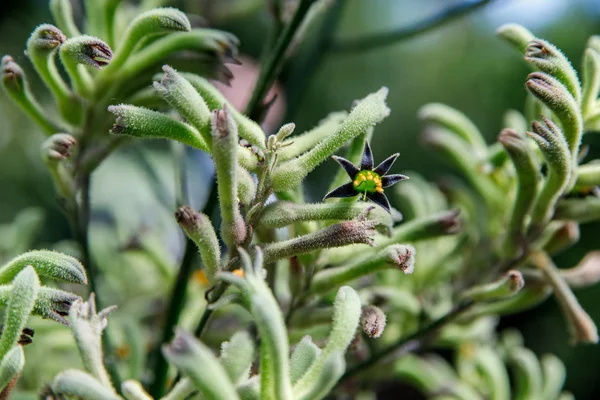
(379,189)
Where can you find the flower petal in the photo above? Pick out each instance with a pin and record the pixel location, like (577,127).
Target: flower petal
(346,190)
(386,164)
(389,180)
(350,169)
(380,199)
(367,158)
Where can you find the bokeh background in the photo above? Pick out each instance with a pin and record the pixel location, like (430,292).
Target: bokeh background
(461,63)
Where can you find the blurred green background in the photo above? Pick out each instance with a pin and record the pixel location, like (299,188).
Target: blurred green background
(461,64)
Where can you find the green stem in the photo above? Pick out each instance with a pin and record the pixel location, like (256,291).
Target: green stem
(418,336)
(274,62)
(377,40)
(157,361)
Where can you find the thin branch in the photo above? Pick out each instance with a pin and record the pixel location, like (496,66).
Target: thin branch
(273,64)
(409,343)
(158,363)
(377,40)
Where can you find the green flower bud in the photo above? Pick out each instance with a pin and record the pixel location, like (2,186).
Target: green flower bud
(372,321)
(491,367)
(284,213)
(367,113)
(11,366)
(133,390)
(345,321)
(54,304)
(594,43)
(225,153)
(249,390)
(507,286)
(148,124)
(247,128)
(303,356)
(237,356)
(84,50)
(516,35)
(79,384)
(588,175)
(16,86)
(199,229)
(557,98)
(62,13)
(20,305)
(547,58)
(197,362)
(58,147)
(331,371)
(184,98)
(246,186)
(344,233)
(393,256)
(527,177)
(41,49)
(46,263)
(591,82)
(156,21)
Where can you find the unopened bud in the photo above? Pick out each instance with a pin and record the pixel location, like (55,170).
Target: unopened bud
(199,229)
(46,38)
(58,147)
(509,285)
(13,77)
(549,59)
(586,273)
(86,50)
(372,320)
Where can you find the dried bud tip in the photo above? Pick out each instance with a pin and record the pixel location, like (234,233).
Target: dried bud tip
(47,37)
(180,344)
(403,256)
(58,146)
(220,121)
(187,216)
(515,280)
(372,321)
(451,222)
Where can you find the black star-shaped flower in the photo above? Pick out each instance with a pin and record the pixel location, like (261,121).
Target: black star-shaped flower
(367,180)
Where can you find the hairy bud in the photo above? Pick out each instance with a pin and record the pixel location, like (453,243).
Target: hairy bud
(58,147)
(372,320)
(516,35)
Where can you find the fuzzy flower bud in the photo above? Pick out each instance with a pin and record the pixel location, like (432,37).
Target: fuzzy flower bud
(184,98)
(591,81)
(199,229)
(46,263)
(87,50)
(152,22)
(558,236)
(133,390)
(559,100)
(11,366)
(225,153)
(372,321)
(394,256)
(74,383)
(305,353)
(509,285)
(148,124)
(344,233)
(58,147)
(549,59)
(16,86)
(579,210)
(237,356)
(22,298)
(62,13)
(586,273)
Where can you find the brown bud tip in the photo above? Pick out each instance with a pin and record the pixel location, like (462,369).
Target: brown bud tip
(220,121)
(187,217)
(46,37)
(450,222)
(403,256)
(59,146)
(515,280)
(372,321)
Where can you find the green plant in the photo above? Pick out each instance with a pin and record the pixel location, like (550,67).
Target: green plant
(347,293)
